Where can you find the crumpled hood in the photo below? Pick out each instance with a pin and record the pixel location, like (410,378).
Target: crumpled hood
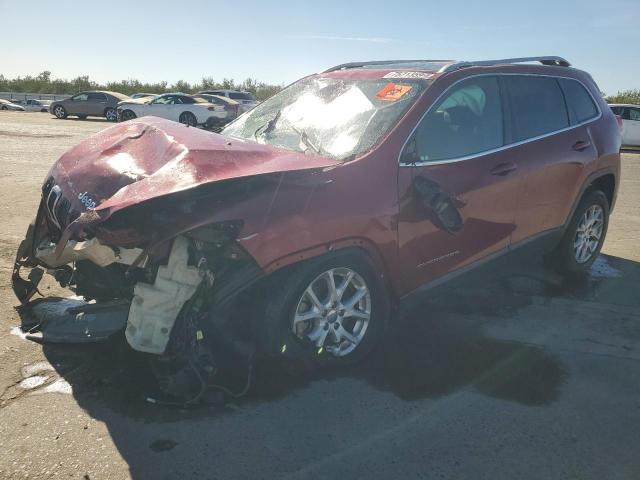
(135,161)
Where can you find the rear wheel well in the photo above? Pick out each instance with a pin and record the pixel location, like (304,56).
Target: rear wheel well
(606,184)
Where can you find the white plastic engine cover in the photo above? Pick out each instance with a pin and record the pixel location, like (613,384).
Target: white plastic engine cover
(154,308)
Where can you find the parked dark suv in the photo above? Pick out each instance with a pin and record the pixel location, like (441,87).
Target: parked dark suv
(327,204)
(88,104)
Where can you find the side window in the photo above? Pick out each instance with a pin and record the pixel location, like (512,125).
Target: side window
(579,102)
(186,100)
(81,97)
(97,97)
(537,106)
(634,114)
(468,120)
(164,100)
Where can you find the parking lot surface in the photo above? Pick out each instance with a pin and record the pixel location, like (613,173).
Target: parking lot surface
(509,373)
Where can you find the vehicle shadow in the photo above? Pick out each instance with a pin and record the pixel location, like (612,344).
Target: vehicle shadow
(435,348)
(92,119)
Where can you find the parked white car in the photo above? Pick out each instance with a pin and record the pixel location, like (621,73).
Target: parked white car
(246,99)
(174,106)
(630,115)
(34,105)
(7,105)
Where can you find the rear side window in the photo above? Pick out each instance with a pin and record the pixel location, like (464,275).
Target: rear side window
(537,106)
(186,99)
(579,102)
(634,114)
(467,121)
(97,97)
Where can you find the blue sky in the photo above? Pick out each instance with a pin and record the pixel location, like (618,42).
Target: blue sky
(278,42)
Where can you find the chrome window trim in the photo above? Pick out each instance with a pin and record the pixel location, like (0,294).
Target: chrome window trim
(504,147)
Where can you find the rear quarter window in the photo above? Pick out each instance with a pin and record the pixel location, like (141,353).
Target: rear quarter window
(537,106)
(579,102)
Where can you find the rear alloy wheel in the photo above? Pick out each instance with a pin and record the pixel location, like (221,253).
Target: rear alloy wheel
(60,112)
(331,310)
(127,115)
(584,235)
(188,118)
(110,114)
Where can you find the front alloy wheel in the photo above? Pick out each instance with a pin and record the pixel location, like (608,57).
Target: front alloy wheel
(60,112)
(326,311)
(334,312)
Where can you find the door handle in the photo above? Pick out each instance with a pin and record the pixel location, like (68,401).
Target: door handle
(581,145)
(503,169)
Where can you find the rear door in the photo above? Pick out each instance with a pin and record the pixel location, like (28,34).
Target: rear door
(457,184)
(97,103)
(553,147)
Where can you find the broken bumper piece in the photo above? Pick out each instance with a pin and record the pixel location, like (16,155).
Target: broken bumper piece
(70,320)
(147,319)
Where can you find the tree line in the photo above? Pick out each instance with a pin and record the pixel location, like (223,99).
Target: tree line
(626,96)
(44,83)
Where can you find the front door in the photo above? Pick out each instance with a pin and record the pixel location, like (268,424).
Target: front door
(458,188)
(77,104)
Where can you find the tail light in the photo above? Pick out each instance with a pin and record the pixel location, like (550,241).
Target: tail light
(619,120)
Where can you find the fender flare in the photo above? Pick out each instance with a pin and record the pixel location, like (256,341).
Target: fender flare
(317,251)
(585,186)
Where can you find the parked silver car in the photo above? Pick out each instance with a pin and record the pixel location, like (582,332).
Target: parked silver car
(35,105)
(246,99)
(8,105)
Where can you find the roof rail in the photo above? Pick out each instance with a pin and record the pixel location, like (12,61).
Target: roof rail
(556,61)
(346,66)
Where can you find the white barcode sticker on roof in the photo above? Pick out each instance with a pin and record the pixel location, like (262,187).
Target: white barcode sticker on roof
(420,75)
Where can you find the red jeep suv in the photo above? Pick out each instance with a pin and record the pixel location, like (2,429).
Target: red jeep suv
(328,203)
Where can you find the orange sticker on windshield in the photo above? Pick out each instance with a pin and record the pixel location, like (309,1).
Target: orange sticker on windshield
(393,92)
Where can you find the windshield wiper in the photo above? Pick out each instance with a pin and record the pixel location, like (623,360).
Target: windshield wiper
(269,126)
(306,140)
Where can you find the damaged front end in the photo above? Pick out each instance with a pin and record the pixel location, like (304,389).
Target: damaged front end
(171,296)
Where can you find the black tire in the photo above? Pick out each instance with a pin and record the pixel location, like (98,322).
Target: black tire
(43,110)
(188,118)
(4,107)
(110,114)
(127,115)
(282,293)
(60,112)
(564,257)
